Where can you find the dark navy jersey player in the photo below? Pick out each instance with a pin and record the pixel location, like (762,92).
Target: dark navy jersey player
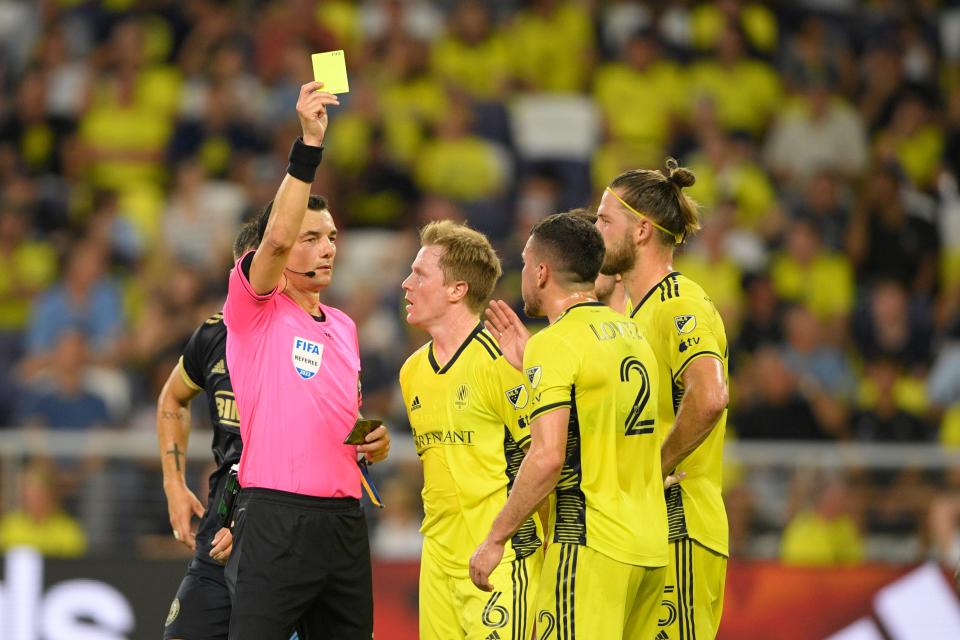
(201,608)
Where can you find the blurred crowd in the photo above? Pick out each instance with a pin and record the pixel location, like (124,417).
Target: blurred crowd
(135,137)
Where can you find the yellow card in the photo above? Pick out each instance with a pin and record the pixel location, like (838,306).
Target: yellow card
(330,68)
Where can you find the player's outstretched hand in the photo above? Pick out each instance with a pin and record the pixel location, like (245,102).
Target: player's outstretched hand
(505,325)
(377,444)
(312,111)
(222,545)
(182,505)
(482,563)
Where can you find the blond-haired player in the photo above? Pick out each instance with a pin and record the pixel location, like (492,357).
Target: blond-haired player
(465,404)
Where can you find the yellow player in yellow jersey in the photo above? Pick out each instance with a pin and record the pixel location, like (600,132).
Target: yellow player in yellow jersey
(593,383)
(643,217)
(466,407)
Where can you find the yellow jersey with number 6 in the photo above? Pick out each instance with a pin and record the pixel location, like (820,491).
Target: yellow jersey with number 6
(468,425)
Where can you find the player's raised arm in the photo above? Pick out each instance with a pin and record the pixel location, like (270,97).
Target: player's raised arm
(537,477)
(290,203)
(173,432)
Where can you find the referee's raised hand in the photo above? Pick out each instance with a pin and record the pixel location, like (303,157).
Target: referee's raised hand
(312,111)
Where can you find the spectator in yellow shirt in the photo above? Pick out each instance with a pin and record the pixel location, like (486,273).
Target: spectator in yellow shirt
(411,99)
(642,77)
(746,92)
(40,522)
(808,274)
(459,165)
(26,268)
(552,46)
(914,140)
(758,23)
(825,535)
(471,56)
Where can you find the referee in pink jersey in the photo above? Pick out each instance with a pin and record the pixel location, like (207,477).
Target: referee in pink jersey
(301,555)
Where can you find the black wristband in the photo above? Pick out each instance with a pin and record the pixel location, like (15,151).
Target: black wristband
(304,160)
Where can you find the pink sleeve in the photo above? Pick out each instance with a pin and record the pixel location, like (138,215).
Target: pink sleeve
(246,311)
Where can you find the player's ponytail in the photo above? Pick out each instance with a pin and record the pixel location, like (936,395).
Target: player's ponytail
(682,177)
(659,196)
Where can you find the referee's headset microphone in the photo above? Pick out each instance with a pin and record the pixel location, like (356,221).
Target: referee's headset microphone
(309,274)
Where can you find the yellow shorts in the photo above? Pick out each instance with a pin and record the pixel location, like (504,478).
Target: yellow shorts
(587,595)
(453,609)
(693,593)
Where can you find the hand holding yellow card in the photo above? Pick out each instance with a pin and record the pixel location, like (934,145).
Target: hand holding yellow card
(330,68)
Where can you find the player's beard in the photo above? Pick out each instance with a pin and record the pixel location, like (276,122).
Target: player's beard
(619,258)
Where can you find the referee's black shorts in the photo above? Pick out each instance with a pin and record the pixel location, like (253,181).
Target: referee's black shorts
(299,561)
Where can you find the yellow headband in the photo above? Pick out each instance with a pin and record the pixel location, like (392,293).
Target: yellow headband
(677,237)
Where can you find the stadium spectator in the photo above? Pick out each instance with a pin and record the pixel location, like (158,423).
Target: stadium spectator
(40,522)
(199,220)
(28,265)
(823,202)
(86,300)
(35,136)
(913,140)
(889,325)
(762,324)
(746,92)
(884,420)
(472,56)
(64,400)
(818,365)
(775,408)
(551,46)
(825,534)
(819,132)
(806,273)
(889,239)
(642,76)
(463,167)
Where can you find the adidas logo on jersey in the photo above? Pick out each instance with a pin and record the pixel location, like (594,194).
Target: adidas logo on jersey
(662,635)
(415,404)
(219,368)
(493,636)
